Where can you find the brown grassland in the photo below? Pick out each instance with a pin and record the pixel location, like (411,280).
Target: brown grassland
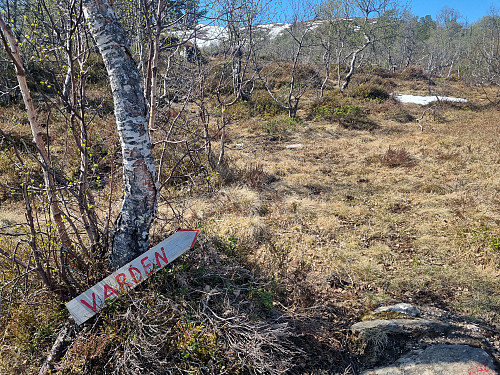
(311,224)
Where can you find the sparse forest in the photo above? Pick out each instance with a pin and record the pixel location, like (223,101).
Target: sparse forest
(319,195)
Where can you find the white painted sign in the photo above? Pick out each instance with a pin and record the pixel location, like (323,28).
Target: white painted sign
(87,304)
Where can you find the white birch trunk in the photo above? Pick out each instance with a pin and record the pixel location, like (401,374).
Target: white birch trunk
(131,234)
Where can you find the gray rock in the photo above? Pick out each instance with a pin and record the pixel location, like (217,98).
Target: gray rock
(404,308)
(400,326)
(383,341)
(442,359)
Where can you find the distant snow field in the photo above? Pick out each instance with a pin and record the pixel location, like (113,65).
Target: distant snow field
(275,29)
(209,35)
(423,100)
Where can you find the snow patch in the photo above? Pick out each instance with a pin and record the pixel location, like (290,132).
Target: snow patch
(206,35)
(275,29)
(424,100)
(297,145)
(202,35)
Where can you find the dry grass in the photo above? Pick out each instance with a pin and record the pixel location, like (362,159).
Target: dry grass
(421,233)
(318,234)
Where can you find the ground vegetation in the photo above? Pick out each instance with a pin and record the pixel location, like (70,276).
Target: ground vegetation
(316,202)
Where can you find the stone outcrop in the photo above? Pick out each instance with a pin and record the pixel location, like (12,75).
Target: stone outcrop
(404,340)
(441,359)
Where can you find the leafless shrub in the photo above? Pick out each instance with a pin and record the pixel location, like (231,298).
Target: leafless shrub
(382,72)
(398,157)
(414,72)
(255,176)
(204,315)
(252,175)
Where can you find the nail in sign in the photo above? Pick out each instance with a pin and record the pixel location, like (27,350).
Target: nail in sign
(87,304)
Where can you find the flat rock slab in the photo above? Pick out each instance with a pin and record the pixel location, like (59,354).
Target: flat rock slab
(399,326)
(404,308)
(442,359)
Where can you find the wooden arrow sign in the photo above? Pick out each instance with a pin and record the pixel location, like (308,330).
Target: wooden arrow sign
(87,304)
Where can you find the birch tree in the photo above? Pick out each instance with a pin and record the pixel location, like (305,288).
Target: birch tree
(292,57)
(445,47)
(10,44)
(482,65)
(131,233)
(355,27)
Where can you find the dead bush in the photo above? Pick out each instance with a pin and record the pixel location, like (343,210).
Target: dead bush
(206,315)
(382,72)
(398,157)
(393,110)
(255,176)
(414,72)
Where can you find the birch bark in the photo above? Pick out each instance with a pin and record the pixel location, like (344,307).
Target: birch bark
(131,234)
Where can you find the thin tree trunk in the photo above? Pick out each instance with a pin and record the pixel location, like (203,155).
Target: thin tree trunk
(131,234)
(154,67)
(348,77)
(10,43)
(451,69)
(326,60)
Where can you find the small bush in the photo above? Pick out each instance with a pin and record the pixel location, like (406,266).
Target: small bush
(29,330)
(239,110)
(322,108)
(329,108)
(382,72)
(358,123)
(398,157)
(280,125)
(255,176)
(414,72)
(262,297)
(371,91)
(347,110)
(307,75)
(401,116)
(353,117)
(261,103)
(228,246)
(279,76)
(495,244)
(350,116)
(252,175)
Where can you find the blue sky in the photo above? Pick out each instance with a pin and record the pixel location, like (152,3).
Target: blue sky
(281,10)
(471,10)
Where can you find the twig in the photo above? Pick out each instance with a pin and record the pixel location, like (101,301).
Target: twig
(13,259)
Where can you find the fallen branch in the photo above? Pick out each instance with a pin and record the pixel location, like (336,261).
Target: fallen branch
(61,345)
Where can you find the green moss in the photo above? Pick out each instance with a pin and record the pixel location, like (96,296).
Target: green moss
(388,315)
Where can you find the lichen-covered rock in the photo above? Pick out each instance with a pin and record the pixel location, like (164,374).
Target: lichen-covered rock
(404,308)
(384,340)
(400,326)
(441,359)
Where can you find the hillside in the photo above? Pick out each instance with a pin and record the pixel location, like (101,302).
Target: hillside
(310,224)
